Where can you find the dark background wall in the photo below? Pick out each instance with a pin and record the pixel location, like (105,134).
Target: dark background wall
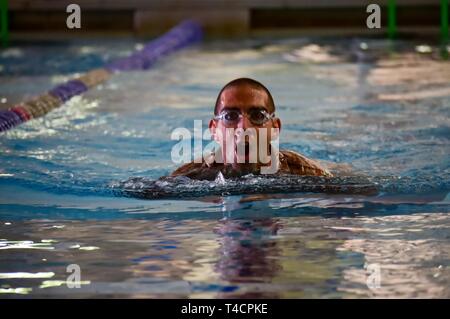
(229,17)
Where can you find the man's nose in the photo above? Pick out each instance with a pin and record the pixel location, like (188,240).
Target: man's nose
(244,123)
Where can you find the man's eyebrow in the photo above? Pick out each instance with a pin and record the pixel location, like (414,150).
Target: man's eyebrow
(230,108)
(258,107)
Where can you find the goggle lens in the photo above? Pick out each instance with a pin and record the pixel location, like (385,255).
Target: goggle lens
(257,117)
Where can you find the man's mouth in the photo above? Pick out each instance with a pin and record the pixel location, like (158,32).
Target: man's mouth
(242,151)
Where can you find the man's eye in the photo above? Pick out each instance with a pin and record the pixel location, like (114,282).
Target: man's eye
(231,116)
(257,116)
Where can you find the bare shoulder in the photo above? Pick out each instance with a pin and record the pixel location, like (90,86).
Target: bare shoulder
(299,164)
(186,169)
(200,169)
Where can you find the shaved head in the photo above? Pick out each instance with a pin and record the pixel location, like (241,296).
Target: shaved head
(249,83)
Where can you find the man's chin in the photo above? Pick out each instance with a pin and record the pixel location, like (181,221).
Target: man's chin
(244,159)
(246,168)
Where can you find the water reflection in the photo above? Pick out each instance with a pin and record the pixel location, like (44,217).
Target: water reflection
(410,250)
(246,257)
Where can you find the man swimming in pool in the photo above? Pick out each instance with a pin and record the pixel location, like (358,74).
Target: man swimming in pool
(245,126)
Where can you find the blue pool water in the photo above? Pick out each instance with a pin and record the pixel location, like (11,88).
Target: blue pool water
(378,113)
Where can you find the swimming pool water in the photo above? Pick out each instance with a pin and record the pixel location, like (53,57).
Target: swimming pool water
(384,113)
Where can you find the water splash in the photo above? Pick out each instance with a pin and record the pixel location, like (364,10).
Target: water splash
(183,187)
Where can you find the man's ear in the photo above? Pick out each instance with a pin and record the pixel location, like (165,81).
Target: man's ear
(212,129)
(276,124)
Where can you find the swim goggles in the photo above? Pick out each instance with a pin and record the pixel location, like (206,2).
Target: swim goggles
(256,116)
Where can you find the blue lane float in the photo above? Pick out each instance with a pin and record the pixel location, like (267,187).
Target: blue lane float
(186,33)
(68,90)
(9,119)
(182,35)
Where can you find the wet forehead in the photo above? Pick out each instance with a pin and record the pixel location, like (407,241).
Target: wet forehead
(243,97)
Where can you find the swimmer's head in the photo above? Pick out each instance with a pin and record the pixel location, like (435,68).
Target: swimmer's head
(249,83)
(246,110)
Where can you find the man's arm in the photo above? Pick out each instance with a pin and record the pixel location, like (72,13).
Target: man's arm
(301,165)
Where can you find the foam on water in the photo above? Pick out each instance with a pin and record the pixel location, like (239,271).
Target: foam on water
(183,187)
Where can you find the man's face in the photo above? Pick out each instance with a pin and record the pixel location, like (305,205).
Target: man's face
(247,101)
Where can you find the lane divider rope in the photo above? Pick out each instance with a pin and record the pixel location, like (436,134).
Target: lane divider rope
(184,34)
